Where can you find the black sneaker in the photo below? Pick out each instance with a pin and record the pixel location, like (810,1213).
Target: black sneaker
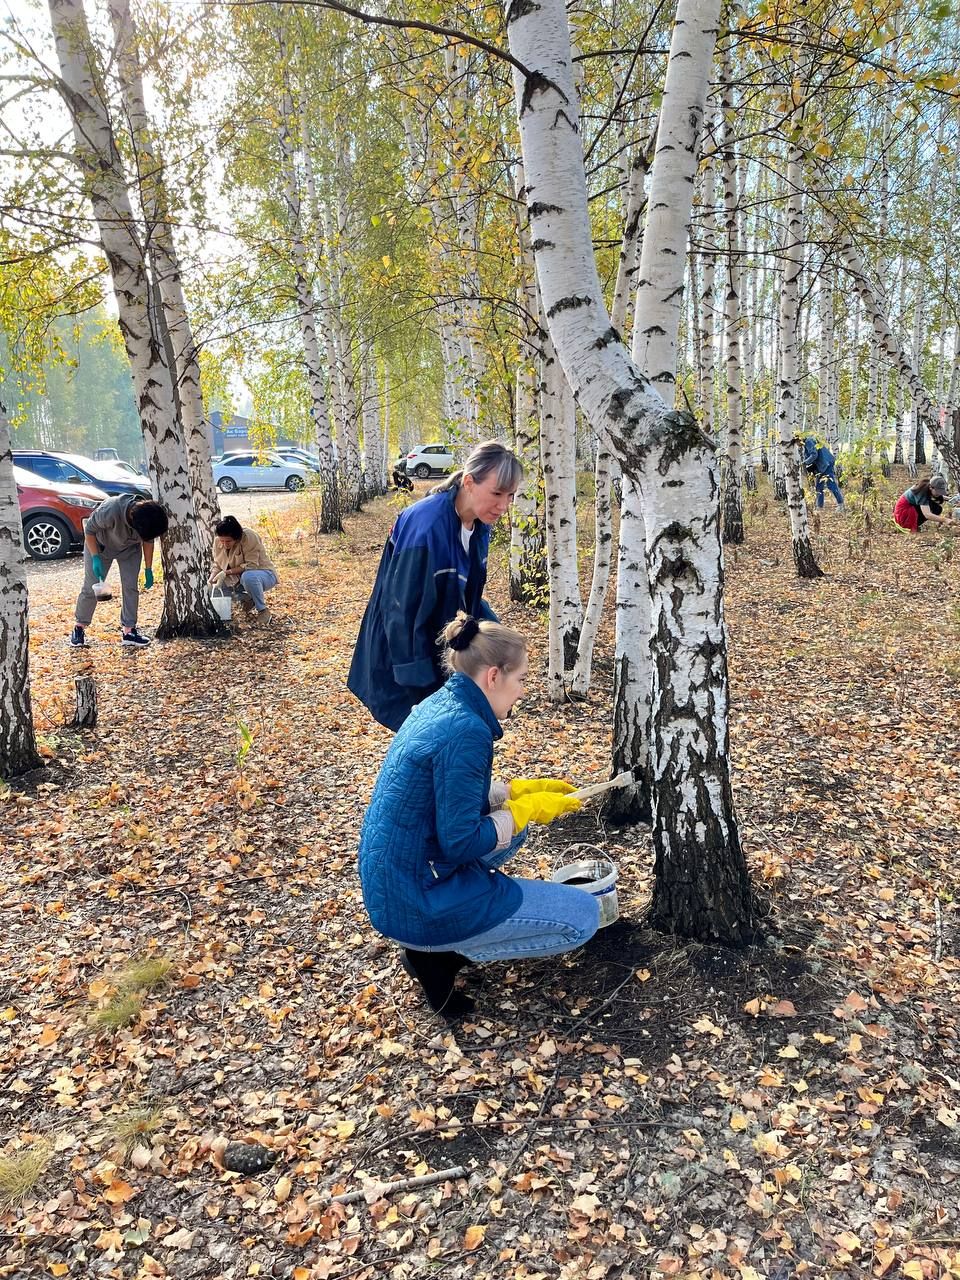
(78,638)
(135,638)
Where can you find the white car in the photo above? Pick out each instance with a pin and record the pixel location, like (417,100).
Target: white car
(264,470)
(429,460)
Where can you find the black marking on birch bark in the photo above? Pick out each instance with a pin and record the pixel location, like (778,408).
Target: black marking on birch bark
(542,244)
(540,207)
(520,9)
(537,82)
(559,115)
(571,303)
(606,339)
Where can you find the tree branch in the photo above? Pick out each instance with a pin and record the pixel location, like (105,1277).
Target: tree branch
(404,24)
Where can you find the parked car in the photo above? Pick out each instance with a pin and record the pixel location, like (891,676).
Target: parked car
(429,460)
(265,470)
(298,458)
(71,468)
(53,514)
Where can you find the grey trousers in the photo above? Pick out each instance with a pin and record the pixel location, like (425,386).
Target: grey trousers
(129,565)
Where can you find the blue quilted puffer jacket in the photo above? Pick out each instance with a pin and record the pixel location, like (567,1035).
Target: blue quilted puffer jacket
(428,827)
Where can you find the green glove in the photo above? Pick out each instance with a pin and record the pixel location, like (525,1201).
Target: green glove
(147,578)
(524,786)
(98,572)
(540,806)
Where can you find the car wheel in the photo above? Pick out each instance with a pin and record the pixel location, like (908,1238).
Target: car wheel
(421,471)
(227,485)
(294,483)
(46,537)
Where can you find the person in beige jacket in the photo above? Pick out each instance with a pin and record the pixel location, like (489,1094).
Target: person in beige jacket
(241,565)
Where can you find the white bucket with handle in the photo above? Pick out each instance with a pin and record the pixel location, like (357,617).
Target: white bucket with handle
(596,875)
(222,603)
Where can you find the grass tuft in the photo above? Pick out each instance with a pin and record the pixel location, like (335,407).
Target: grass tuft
(145,975)
(124,1008)
(20,1173)
(130,1126)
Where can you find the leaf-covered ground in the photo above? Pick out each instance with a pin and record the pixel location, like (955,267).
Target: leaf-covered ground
(641,1108)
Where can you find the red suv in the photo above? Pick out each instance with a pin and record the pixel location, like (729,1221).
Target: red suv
(53,514)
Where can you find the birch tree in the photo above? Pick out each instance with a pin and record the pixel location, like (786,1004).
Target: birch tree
(701,884)
(187,609)
(18,747)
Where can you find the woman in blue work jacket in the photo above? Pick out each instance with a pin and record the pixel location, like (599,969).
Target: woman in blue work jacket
(433,567)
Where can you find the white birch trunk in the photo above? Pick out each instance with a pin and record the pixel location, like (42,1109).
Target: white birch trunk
(894,351)
(331,520)
(731,471)
(708,297)
(197,432)
(528,554)
(701,883)
(18,747)
(603,469)
(187,609)
(803,556)
(558,457)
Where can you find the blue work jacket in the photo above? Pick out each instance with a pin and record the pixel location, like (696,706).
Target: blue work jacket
(427,828)
(425,578)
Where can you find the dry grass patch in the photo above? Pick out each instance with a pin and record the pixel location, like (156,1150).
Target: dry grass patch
(21,1171)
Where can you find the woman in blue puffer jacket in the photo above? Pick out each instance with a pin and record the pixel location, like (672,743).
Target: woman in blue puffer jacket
(438,829)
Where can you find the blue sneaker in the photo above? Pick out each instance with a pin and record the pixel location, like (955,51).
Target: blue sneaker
(78,638)
(135,638)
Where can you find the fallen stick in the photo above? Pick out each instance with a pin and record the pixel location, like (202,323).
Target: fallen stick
(621,780)
(403,1184)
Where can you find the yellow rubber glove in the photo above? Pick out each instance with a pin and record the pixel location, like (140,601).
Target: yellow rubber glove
(540,806)
(524,786)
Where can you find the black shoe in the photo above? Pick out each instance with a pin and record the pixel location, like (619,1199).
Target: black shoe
(436,972)
(135,638)
(78,638)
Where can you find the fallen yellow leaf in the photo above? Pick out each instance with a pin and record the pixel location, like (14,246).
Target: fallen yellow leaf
(473,1237)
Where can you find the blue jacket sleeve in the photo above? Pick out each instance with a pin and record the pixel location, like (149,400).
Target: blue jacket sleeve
(486,613)
(409,599)
(461,780)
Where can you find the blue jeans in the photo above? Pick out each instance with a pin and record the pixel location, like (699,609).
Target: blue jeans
(551,918)
(828,482)
(253,583)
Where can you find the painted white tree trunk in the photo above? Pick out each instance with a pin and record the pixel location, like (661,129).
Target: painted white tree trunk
(187,609)
(701,884)
(18,747)
(197,432)
(792,258)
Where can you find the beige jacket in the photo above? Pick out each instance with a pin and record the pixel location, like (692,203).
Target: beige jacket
(248,553)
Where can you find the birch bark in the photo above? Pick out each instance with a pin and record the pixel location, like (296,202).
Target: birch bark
(18,747)
(701,884)
(187,609)
(732,466)
(803,556)
(331,519)
(165,262)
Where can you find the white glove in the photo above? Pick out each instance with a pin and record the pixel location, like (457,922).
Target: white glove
(506,828)
(499,795)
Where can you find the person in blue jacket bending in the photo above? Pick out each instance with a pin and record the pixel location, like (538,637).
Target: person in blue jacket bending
(438,829)
(822,465)
(434,564)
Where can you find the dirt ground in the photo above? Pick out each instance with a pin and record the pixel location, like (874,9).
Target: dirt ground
(641,1108)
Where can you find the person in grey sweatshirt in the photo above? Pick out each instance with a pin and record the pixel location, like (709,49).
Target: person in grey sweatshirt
(122,529)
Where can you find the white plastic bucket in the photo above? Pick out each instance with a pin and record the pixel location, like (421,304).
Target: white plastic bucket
(222,603)
(596,876)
